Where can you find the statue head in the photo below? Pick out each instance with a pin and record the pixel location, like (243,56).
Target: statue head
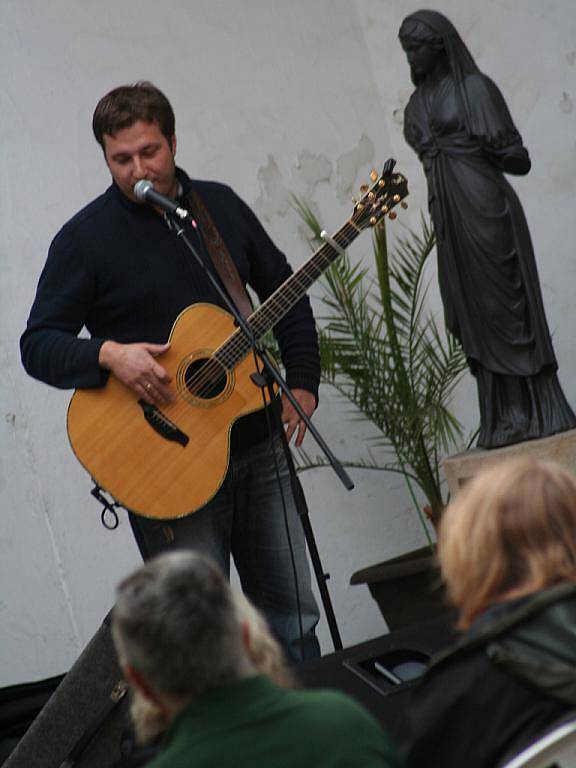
(423,47)
(429,38)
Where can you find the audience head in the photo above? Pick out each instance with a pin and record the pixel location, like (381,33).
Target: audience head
(509,532)
(176,628)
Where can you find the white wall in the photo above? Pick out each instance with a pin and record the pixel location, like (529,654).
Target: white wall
(271,97)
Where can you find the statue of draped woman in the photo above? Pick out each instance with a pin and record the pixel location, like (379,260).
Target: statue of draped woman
(459,125)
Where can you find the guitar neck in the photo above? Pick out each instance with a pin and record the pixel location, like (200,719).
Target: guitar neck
(263,319)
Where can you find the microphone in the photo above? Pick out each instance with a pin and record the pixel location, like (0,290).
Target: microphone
(144,190)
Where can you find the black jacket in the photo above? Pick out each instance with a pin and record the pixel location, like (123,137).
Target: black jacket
(509,677)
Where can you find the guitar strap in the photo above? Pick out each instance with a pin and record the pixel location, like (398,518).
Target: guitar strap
(220,255)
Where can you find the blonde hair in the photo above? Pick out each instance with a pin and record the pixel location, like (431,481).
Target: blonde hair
(264,651)
(509,532)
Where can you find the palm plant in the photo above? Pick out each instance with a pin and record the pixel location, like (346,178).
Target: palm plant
(387,355)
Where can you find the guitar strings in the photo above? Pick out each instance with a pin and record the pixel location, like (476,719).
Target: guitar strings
(237,346)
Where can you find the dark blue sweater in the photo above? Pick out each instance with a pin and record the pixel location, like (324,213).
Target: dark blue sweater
(116,269)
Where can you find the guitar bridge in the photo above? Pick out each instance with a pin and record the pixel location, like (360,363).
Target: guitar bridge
(162,424)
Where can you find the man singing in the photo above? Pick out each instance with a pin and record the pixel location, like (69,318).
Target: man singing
(118,270)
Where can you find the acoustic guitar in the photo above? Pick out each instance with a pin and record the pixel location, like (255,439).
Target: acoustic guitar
(167,462)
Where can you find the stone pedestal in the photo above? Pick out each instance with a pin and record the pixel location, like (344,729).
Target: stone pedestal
(462,466)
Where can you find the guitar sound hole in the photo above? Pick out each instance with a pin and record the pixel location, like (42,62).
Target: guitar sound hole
(205,378)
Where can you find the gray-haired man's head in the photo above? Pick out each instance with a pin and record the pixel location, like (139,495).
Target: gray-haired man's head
(175,623)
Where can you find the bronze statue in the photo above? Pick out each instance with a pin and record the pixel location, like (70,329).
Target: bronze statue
(459,125)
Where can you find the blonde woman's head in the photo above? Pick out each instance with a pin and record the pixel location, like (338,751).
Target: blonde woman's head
(509,532)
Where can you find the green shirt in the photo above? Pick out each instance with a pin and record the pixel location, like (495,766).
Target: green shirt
(253,723)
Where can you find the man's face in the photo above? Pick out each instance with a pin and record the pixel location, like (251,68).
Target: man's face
(141,152)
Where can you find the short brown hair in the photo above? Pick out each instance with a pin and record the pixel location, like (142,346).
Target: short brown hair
(511,531)
(127,104)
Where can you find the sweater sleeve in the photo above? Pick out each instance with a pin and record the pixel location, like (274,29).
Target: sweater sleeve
(50,348)
(296,331)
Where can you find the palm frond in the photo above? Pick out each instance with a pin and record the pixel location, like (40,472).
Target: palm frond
(386,353)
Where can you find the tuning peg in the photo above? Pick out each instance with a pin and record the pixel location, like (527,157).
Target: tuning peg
(385,209)
(392,215)
(364,188)
(396,198)
(373,220)
(354,200)
(381,183)
(404,205)
(373,174)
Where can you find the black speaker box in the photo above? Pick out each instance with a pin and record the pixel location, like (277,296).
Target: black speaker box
(380,673)
(19,706)
(85,720)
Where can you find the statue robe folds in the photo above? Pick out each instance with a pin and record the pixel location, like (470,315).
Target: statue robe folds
(486,267)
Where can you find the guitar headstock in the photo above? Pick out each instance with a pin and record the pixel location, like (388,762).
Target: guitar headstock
(387,191)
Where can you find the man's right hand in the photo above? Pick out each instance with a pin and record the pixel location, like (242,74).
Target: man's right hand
(136,367)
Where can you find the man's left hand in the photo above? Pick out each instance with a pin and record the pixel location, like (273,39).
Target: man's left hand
(291,418)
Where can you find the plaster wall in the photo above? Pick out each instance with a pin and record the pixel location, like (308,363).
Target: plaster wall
(272,98)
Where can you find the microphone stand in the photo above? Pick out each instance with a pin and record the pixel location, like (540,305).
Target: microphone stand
(272,375)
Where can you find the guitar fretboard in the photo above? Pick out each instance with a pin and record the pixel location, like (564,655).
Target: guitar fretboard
(278,304)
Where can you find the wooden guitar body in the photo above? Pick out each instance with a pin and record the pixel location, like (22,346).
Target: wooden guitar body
(152,470)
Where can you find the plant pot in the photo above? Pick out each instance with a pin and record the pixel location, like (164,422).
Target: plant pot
(408,588)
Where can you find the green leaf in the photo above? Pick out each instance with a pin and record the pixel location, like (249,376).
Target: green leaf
(384,351)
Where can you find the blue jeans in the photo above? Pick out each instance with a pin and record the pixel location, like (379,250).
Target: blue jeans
(246,518)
